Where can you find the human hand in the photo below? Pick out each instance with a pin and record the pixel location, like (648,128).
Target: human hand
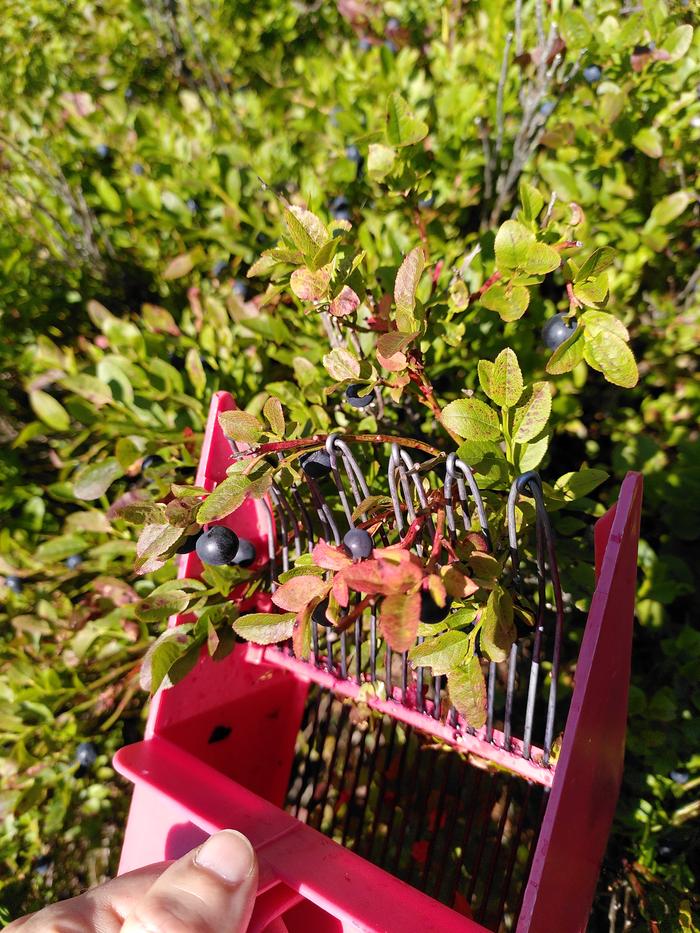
(209,890)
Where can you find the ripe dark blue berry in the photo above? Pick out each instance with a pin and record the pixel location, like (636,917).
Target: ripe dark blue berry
(358,544)
(318,615)
(102,150)
(137,168)
(74,561)
(242,289)
(592,74)
(14,583)
(42,865)
(427,202)
(354,154)
(245,555)
(680,777)
(364,45)
(86,754)
(359,396)
(190,543)
(192,205)
(556,330)
(546,107)
(340,208)
(218,546)
(219,267)
(430,612)
(150,461)
(316,464)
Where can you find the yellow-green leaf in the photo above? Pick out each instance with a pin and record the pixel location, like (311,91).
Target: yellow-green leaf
(402,127)
(49,410)
(506,379)
(265,628)
(226,498)
(614,357)
(467,690)
(407,279)
(241,426)
(532,417)
(471,419)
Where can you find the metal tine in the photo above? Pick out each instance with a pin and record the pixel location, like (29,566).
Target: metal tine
(292,517)
(510,692)
(491,696)
(323,511)
(371,768)
(497,849)
(358,650)
(483,836)
(284,528)
(321,733)
(373,645)
(437,696)
(313,722)
(356,780)
(514,843)
(305,517)
(450,758)
(369,840)
(340,723)
(454,464)
(358,483)
(270,517)
(330,449)
(470,812)
(422,498)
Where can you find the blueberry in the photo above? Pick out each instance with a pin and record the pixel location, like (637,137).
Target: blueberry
(137,168)
(392,24)
(680,777)
(192,205)
(219,267)
(592,74)
(546,107)
(354,397)
(644,49)
(316,464)
(364,45)
(152,460)
(242,289)
(190,543)
(430,612)
(74,561)
(556,330)
(391,46)
(86,754)
(102,150)
(427,202)
(218,546)
(318,615)
(245,555)
(358,543)
(340,208)
(354,154)
(42,865)
(129,93)
(14,583)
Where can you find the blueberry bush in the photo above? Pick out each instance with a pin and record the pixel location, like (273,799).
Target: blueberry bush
(473,225)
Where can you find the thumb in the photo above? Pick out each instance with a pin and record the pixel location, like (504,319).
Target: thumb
(209,890)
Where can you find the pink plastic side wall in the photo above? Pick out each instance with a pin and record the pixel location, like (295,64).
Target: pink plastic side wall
(587,780)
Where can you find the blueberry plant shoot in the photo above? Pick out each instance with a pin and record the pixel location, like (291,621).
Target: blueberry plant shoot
(470,227)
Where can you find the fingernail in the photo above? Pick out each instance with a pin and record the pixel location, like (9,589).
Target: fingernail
(227,854)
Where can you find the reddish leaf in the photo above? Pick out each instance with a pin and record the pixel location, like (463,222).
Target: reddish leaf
(345,303)
(296,594)
(399,617)
(329,557)
(458,584)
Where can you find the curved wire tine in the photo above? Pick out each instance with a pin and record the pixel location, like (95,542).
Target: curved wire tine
(478,500)
(271,535)
(305,517)
(545,541)
(422,498)
(330,449)
(358,483)
(323,511)
(294,519)
(395,464)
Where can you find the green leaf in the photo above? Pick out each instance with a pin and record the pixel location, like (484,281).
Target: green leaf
(402,127)
(59,548)
(94,481)
(308,232)
(272,410)
(380,161)
(578,484)
(532,454)
(467,690)
(179,266)
(614,357)
(407,279)
(567,355)
(592,292)
(648,140)
(497,632)
(512,245)
(341,364)
(678,42)
(510,301)
(670,207)
(299,591)
(531,200)
(97,392)
(506,379)
(442,654)
(195,371)
(599,260)
(155,541)
(265,628)
(485,371)
(241,426)
(597,321)
(226,498)
(532,417)
(49,410)
(541,259)
(471,419)
(575,29)
(108,195)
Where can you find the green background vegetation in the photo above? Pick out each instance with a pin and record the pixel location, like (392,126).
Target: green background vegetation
(133,137)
